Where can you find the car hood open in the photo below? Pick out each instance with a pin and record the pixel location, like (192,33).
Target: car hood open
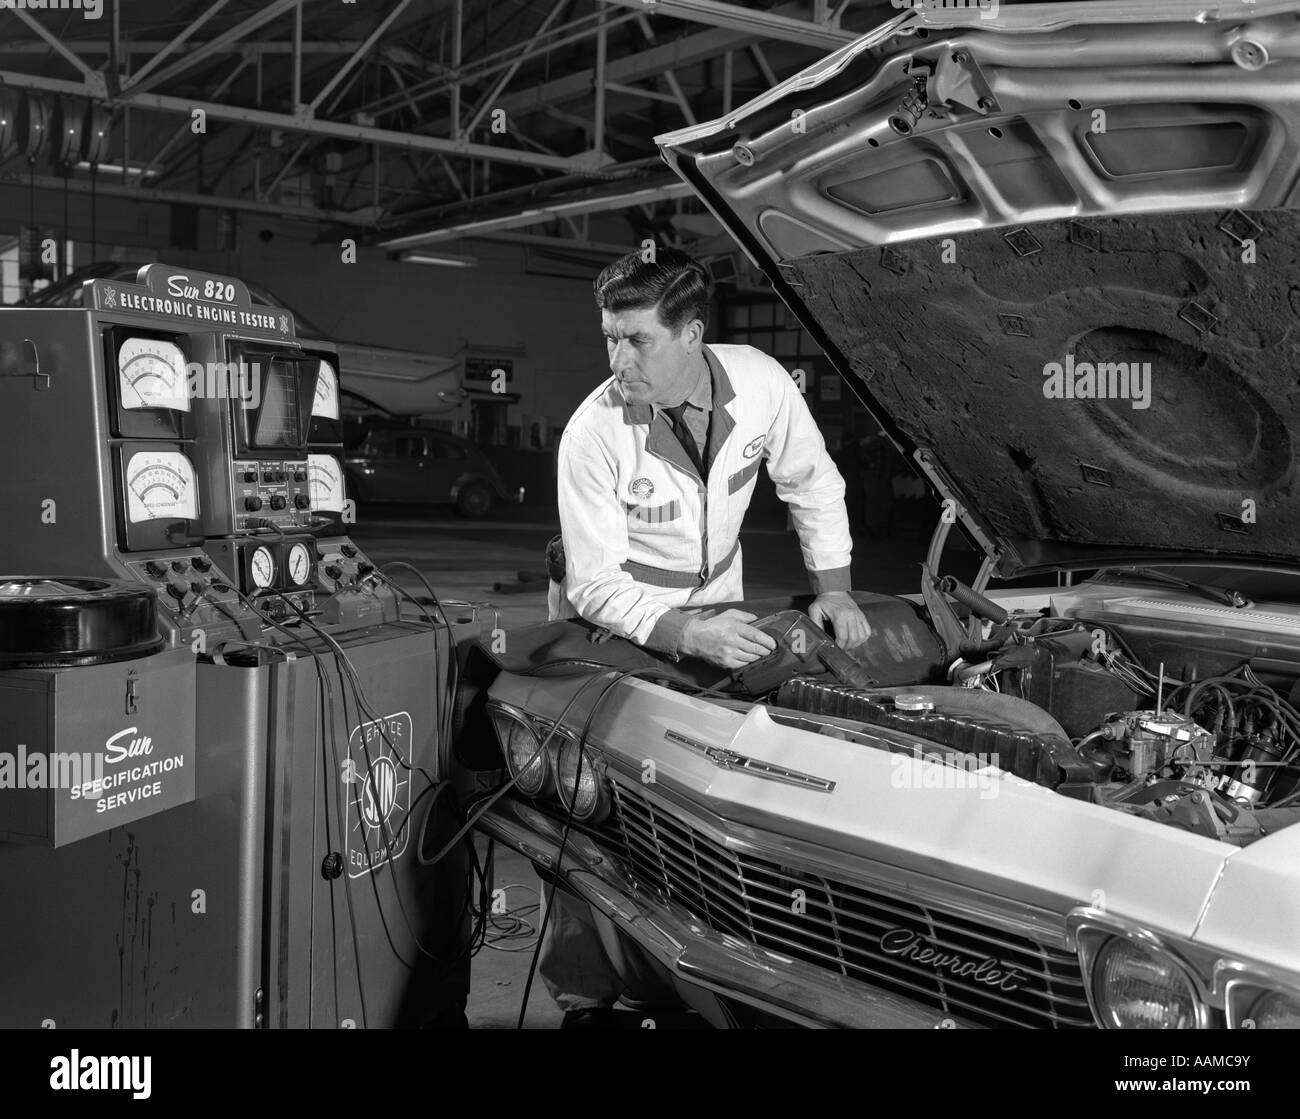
(1053,250)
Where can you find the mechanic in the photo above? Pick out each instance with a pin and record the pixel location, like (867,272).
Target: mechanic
(656,469)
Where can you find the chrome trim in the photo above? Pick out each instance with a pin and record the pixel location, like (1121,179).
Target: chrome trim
(547,787)
(699,957)
(1235,979)
(1010,915)
(730,759)
(1090,929)
(603,803)
(700,869)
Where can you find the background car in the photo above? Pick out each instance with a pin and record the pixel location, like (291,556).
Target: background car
(425,465)
(376,378)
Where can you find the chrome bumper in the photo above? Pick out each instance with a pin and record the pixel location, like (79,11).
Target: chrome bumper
(691,954)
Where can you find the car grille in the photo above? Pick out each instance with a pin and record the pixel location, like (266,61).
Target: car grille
(953,963)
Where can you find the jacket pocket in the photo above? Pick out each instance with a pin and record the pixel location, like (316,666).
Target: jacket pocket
(742,478)
(655,514)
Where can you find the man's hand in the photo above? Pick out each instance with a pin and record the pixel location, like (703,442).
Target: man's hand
(848,623)
(726,640)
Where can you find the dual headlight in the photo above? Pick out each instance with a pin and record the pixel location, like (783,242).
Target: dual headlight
(547,762)
(1251,1006)
(1136,982)
(1136,986)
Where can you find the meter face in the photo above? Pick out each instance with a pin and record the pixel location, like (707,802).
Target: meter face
(261,566)
(151,374)
(160,484)
(326,404)
(299,564)
(325,477)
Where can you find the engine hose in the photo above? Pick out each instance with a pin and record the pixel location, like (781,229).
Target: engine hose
(996,706)
(978,605)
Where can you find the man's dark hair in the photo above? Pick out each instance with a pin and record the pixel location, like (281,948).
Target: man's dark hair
(674,283)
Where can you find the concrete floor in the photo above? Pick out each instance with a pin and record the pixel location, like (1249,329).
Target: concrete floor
(463,560)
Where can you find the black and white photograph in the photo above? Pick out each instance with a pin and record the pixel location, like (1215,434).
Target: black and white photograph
(650,515)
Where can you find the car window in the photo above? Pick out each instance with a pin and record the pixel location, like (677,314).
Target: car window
(409,446)
(445,448)
(378,443)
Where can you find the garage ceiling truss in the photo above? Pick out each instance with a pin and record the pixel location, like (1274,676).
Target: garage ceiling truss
(405,110)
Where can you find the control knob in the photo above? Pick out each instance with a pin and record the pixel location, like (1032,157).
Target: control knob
(252,504)
(278,501)
(301,501)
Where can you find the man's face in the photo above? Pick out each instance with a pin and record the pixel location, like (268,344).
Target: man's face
(651,364)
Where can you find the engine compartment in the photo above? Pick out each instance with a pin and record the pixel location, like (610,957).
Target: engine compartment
(1066,702)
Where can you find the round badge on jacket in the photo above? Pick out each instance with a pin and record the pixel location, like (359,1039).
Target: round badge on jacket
(642,488)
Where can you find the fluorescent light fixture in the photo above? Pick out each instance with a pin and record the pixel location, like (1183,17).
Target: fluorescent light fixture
(142,170)
(447,260)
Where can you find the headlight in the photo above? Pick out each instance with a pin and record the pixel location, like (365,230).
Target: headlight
(526,760)
(581,788)
(1138,987)
(1275,1011)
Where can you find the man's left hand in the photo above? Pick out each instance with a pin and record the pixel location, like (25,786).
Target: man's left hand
(848,623)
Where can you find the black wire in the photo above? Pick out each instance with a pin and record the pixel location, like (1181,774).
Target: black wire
(328,691)
(484,805)
(454,661)
(618,678)
(389,840)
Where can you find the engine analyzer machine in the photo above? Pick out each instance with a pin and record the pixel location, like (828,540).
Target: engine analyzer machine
(225,731)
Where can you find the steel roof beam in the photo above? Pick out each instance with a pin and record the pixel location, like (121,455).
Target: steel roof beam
(213,46)
(52,41)
(767,24)
(305,125)
(158,57)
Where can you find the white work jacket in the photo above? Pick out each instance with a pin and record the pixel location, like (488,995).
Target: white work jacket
(644,535)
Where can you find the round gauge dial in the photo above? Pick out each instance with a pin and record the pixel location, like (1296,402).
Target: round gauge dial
(261,567)
(325,477)
(299,563)
(160,484)
(151,374)
(326,404)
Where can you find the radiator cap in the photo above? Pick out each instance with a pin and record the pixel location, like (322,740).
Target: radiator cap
(913,701)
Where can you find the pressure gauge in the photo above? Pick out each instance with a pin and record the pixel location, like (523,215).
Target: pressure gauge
(299,564)
(151,374)
(325,478)
(160,484)
(326,404)
(261,567)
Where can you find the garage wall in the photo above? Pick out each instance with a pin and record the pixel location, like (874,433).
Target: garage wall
(548,325)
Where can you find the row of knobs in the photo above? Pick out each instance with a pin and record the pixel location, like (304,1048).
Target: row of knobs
(278,501)
(274,476)
(174,573)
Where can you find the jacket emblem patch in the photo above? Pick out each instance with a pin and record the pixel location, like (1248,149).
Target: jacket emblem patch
(754,446)
(642,488)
